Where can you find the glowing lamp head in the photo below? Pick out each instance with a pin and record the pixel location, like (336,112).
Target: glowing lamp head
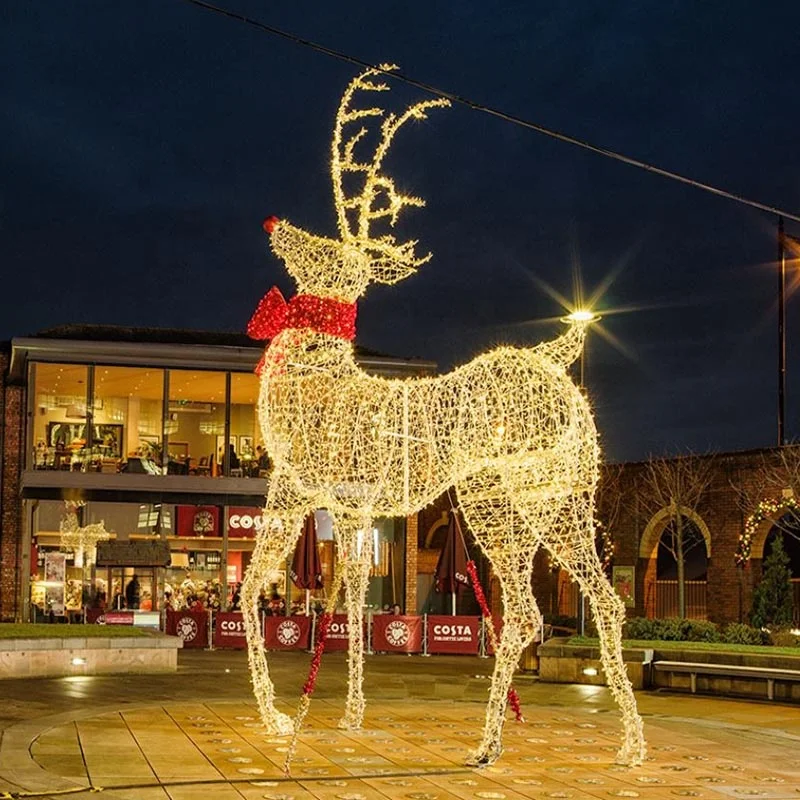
(269,224)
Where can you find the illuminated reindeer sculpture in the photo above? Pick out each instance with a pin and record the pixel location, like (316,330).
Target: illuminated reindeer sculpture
(509,430)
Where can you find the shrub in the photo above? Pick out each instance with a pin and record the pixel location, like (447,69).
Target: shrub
(784,638)
(772,599)
(698,630)
(739,633)
(640,628)
(561,620)
(671,630)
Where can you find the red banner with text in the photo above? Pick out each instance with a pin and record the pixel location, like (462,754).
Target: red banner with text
(229,630)
(453,634)
(338,633)
(287,633)
(392,633)
(190,626)
(100,617)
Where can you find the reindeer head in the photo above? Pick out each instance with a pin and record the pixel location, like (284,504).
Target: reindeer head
(343,268)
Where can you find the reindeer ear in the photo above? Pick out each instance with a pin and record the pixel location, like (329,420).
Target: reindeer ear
(385,269)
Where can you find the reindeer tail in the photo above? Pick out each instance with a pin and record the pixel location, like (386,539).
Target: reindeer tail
(567,348)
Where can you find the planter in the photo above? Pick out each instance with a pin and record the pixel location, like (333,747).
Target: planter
(28,658)
(560,662)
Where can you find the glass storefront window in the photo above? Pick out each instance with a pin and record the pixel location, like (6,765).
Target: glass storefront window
(59,435)
(195,423)
(245,433)
(128,408)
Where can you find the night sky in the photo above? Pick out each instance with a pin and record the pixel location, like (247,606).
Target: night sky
(143,142)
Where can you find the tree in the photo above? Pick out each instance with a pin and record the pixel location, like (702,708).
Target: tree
(772,599)
(677,485)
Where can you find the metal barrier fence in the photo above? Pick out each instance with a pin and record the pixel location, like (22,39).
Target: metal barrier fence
(424,635)
(695,599)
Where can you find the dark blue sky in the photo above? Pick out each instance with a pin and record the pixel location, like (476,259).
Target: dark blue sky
(144,142)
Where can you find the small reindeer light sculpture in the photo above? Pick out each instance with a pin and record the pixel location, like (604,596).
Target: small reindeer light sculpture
(509,430)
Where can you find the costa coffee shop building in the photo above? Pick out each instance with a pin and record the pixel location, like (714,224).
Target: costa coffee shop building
(156,433)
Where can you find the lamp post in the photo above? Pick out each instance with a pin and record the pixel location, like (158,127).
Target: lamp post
(582,316)
(791,243)
(781,334)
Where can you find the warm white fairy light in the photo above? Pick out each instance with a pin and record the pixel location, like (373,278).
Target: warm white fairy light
(82,540)
(510,430)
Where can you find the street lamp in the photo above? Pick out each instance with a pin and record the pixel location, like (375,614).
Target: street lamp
(581,316)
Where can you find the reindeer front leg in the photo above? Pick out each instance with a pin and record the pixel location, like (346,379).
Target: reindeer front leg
(274,542)
(355,548)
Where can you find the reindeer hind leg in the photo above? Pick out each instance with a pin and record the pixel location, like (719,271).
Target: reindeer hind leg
(500,532)
(577,554)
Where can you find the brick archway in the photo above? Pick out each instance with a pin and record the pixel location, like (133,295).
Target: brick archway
(648,550)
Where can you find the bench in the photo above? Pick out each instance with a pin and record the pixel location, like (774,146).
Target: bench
(769,674)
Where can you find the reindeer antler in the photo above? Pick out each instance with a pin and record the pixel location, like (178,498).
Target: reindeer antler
(379,197)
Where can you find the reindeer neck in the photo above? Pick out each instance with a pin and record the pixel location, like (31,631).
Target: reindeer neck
(310,349)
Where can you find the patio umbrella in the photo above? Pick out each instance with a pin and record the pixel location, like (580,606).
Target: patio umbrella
(306,571)
(451,569)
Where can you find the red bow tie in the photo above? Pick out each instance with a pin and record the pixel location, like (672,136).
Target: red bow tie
(321,314)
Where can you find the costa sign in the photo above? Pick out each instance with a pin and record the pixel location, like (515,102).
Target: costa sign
(229,630)
(287,633)
(243,522)
(453,634)
(397,634)
(338,633)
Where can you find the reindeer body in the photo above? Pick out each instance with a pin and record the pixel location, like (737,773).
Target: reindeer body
(509,430)
(488,429)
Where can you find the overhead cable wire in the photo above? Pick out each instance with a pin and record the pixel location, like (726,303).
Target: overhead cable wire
(494,112)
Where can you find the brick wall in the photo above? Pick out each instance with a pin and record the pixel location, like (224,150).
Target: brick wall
(12,401)
(729,588)
(412,533)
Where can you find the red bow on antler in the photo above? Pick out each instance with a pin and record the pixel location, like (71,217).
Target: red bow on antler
(321,314)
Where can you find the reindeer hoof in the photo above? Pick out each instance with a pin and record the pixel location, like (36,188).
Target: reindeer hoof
(349,724)
(631,756)
(483,757)
(279,724)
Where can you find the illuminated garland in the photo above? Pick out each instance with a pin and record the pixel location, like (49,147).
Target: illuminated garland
(509,430)
(766,509)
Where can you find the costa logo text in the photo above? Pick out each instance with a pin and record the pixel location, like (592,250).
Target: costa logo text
(245,521)
(288,633)
(397,633)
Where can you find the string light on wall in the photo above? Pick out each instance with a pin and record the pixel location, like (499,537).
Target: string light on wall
(510,430)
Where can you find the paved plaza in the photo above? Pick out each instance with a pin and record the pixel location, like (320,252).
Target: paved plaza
(195,734)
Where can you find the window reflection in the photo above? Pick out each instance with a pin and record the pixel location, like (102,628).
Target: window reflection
(245,433)
(196,422)
(59,419)
(127,419)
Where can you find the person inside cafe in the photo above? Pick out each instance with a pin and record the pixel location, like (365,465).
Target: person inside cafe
(277,605)
(264,461)
(132,593)
(231,458)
